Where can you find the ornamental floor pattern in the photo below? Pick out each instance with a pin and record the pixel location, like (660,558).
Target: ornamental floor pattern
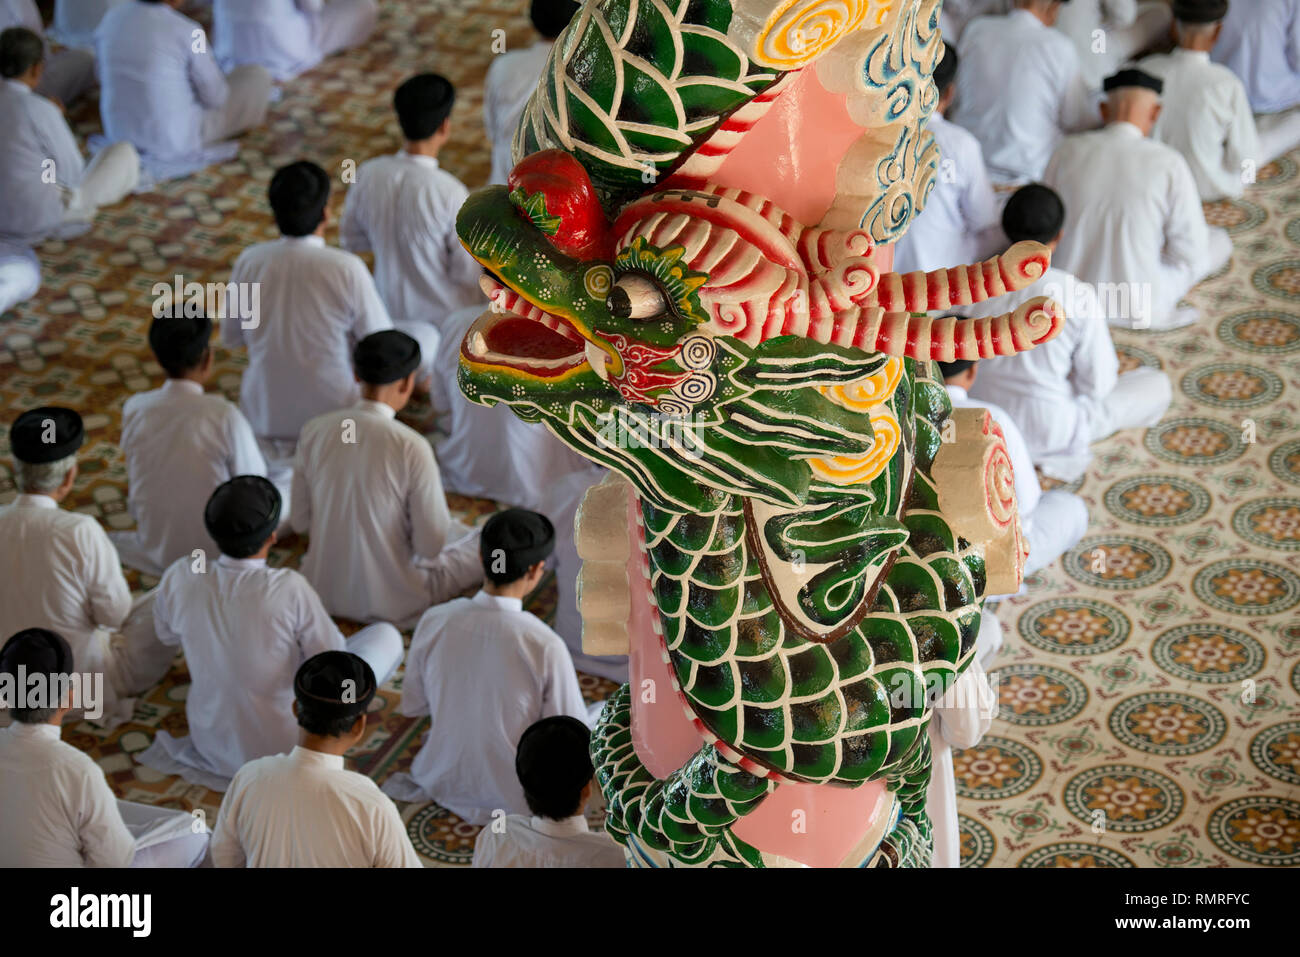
(1149,683)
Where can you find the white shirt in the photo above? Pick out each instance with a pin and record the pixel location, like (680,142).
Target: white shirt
(276,34)
(532,841)
(1048,391)
(304,809)
(960,719)
(1028,491)
(1133,214)
(366,489)
(511,80)
(33,193)
(180,444)
(58,570)
(317,303)
(403,207)
(959,216)
(1206,116)
(484,670)
(1019,90)
(155,87)
(245,629)
(1260,43)
(58,808)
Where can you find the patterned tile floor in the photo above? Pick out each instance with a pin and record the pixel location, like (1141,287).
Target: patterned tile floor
(1150,682)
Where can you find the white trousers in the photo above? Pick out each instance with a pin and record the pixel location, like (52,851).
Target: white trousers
(1279,134)
(278,454)
(244,109)
(457,567)
(109,177)
(20,276)
(1178,283)
(164,837)
(343,24)
(380,645)
(69,74)
(134,661)
(430,340)
(1139,400)
(1055,525)
(989,641)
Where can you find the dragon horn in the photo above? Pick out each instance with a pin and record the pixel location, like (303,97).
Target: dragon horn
(1018,267)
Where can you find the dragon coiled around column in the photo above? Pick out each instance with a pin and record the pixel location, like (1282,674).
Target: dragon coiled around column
(703,312)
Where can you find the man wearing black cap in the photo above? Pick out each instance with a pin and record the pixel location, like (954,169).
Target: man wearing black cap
(288,37)
(245,628)
(553,764)
(180,443)
(59,570)
(483,670)
(366,489)
(58,808)
(304,808)
(1138,229)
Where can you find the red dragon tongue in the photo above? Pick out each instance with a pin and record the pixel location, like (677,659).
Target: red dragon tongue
(573,219)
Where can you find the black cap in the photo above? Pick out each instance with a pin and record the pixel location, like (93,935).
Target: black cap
(242,513)
(1132,77)
(1200,11)
(554,757)
(956,367)
(384,357)
(39,651)
(522,537)
(336,684)
(179,341)
(46,435)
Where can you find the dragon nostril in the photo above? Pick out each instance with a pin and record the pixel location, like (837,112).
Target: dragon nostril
(619,303)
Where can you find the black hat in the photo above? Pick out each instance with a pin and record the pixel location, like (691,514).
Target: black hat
(336,684)
(39,651)
(1133,78)
(46,435)
(1200,11)
(521,537)
(384,357)
(179,341)
(242,513)
(553,757)
(956,367)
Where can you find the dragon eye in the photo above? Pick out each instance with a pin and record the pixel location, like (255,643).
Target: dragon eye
(637,297)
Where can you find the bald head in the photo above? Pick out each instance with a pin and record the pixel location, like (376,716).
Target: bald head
(1132,104)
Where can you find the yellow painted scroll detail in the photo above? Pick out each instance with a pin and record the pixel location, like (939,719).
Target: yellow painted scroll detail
(867,396)
(799,31)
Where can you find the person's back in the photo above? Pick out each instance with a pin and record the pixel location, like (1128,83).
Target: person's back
(1260,43)
(273,33)
(532,841)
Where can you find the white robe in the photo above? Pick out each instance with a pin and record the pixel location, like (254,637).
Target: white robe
(288,37)
(961,717)
(961,222)
(20,274)
(484,670)
(1019,91)
(68,73)
(520,840)
(1206,116)
(511,80)
(1260,43)
(33,206)
(1108,33)
(955,14)
(75,21)
(245,629)
(1135,218)
(305,809)
(180,443)
(60,812)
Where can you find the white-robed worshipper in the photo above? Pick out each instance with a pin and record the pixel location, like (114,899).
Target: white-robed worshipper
(484,670)
(961,717)
(1066,393)
(1052,522)
(163,92)
(1138,223)
(47,189)
(288,37)
(1207,115)
(245,628)
(955,14)
(960,221)
(58,570)
(305,808)
(1260,43)
(512,78)
(1109,33)
(1019,90)
(179,443)
(20,274)
(553,764)
(366,490)
(403,208)
(75,21)
(58,808)
(68,73)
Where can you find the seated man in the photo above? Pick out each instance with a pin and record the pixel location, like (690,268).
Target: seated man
(180,443)
(245,629)
(1109,33)
(304,808)
(484,670)
(366,489)
(1066,393)
(553,763)
(1206,115)
(960,719)
(1020,90)
(58,808)
(58,570)
(403,207)
(163,92)
(47,190)
(512,78)
(288,37)
(959,224)
(1052,522)
(68,73)
(1137,215)
(1260,43)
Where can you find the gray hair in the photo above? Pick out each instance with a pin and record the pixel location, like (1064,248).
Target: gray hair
(43,478)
